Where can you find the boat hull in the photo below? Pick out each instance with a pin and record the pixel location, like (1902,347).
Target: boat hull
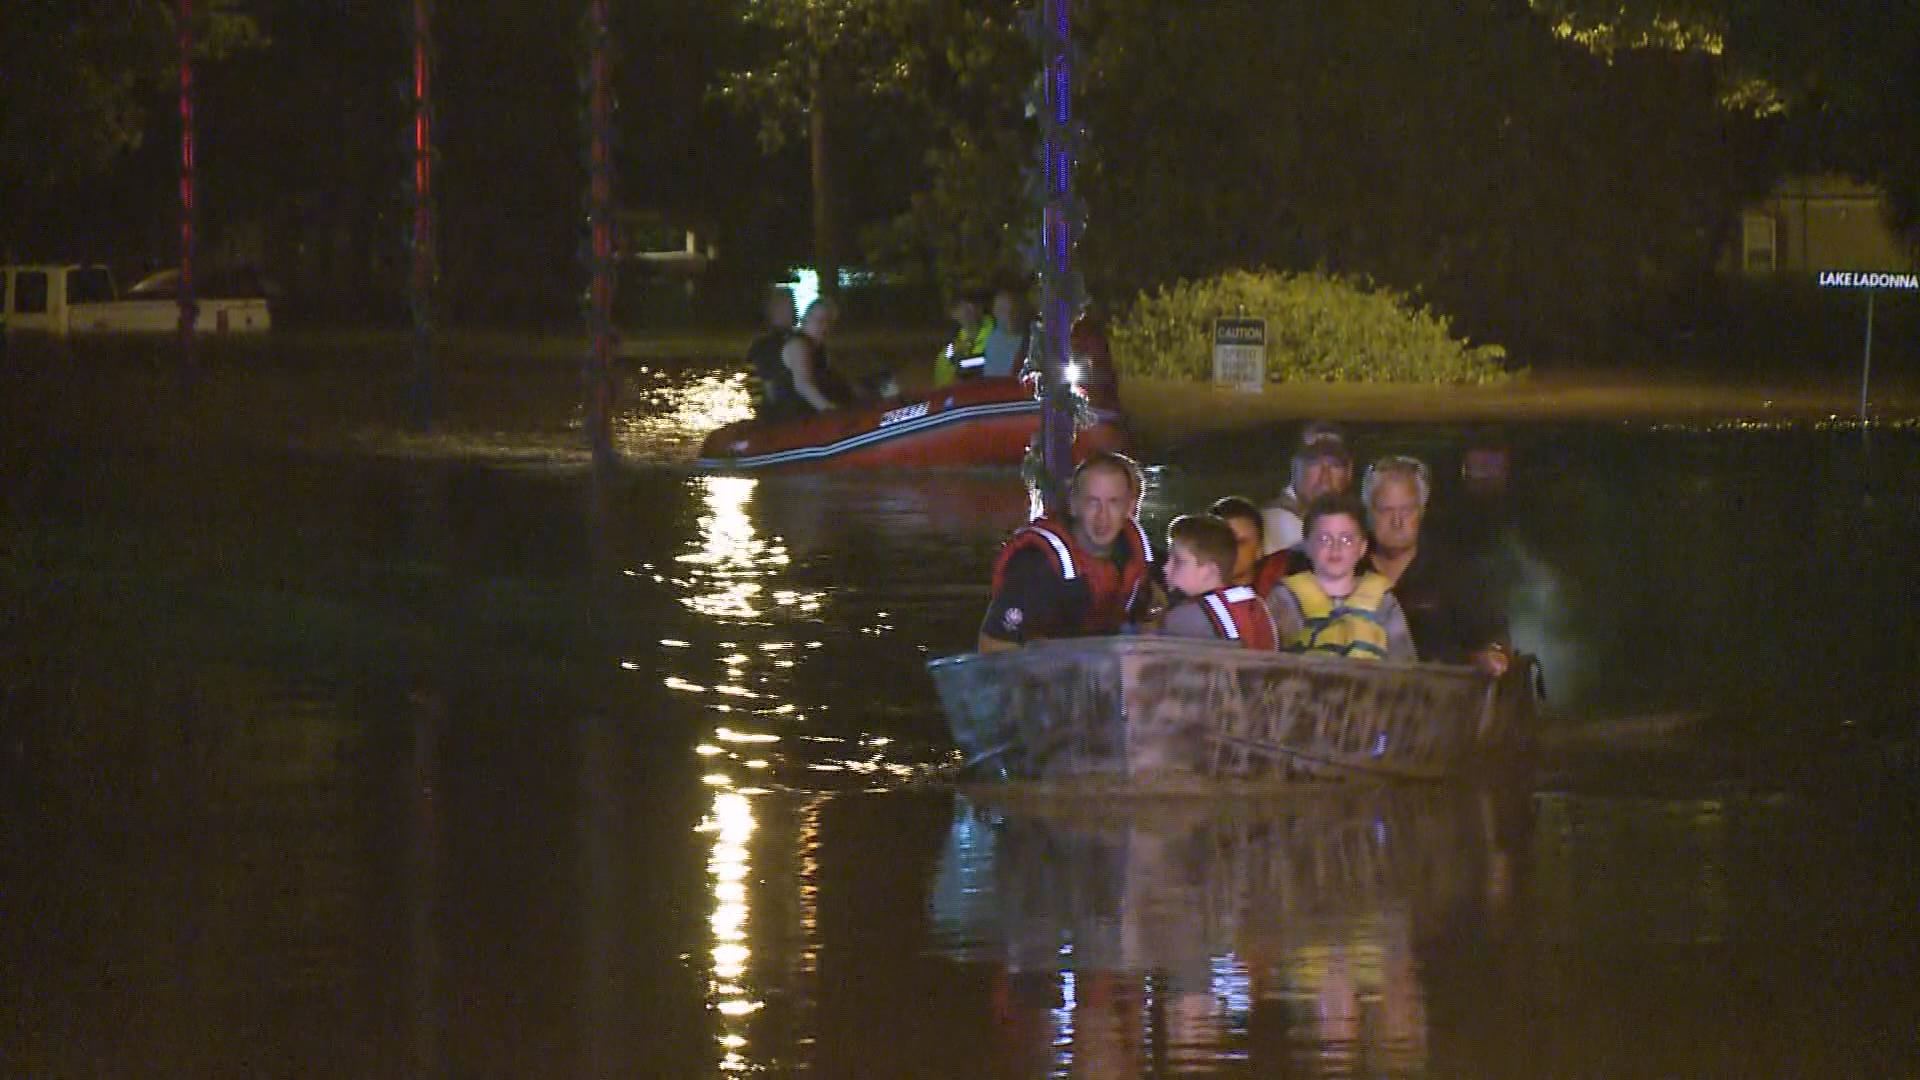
(1166,714)
(982,423)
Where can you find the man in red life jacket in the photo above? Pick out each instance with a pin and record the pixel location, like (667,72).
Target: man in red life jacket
(1200,555)
(1089,575)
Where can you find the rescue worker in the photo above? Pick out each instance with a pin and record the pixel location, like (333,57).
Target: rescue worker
(776,399)
(1089,575)
(1336,608)
(1200,554)
(965,357)
(1005,350)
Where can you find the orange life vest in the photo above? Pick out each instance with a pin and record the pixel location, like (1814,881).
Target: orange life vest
(1239,614)
(1111,591)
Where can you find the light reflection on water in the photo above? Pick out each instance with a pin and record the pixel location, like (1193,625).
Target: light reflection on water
(730,823)
(663,417)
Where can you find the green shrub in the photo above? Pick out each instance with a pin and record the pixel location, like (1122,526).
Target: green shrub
(1320,328)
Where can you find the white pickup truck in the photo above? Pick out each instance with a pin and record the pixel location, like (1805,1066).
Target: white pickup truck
(79,299)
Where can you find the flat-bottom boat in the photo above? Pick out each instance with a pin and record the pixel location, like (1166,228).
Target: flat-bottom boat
(1160,714)
(980,423)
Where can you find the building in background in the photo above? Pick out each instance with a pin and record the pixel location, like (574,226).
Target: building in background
(1826,222)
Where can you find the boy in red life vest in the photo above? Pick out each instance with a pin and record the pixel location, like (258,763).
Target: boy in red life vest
(1200,554)
(1089,575)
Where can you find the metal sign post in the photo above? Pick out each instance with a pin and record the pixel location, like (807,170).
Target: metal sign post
(1866,360)
(1872,282)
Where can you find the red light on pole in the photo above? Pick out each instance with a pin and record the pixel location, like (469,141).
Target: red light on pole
(189,309)
(598,375)
(425,270)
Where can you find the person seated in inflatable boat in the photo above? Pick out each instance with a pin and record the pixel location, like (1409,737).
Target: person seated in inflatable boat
(1091,574)
(1008,342)
(1201,549)
(1337,609)
(810,384)
(965,357)
(765,356)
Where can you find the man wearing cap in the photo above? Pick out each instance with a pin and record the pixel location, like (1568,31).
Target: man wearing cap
(1321,466)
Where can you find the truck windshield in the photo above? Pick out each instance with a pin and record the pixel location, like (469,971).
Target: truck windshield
(89,285)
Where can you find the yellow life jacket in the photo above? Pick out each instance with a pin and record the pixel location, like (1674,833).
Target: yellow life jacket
(1351,627)
(965,357)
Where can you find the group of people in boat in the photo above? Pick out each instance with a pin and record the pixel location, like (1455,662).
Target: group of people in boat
(1321,569)
(992,337)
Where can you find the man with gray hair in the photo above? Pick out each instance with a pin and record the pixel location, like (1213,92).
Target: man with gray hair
(1454,613)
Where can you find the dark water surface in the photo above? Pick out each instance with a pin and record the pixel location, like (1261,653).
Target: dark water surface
(436,756)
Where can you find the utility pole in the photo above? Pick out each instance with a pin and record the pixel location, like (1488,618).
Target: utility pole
(1062,220)
(598,374)
(424,279)
(189,307)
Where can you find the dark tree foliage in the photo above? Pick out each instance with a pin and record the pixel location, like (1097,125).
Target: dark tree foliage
(1843,77)
(1514,178)
(85,97)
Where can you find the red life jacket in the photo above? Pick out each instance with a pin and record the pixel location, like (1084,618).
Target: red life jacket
(1276,567)
(1111,591)
(1239,614)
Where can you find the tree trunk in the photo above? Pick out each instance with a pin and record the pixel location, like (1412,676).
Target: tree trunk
(826,246)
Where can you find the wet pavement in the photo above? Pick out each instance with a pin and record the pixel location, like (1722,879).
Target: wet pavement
(333,750)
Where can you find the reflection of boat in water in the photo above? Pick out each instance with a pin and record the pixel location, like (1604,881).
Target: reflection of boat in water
(984,422)
(1199,914)
(1153,712)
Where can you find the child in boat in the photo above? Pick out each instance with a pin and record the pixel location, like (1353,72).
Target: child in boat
(1263,572)
(1249,533)
(1200,559)
(1335,608)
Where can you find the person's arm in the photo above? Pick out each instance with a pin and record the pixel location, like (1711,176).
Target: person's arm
(1287,619)
(1026,607)
(1187,620)
(1399,634)
(798,356)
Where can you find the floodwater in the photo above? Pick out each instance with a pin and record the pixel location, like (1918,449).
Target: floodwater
(336,751)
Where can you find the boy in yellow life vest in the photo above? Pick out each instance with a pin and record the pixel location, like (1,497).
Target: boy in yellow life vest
(1336,609)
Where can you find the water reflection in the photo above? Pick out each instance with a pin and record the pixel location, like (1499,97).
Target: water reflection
(1193,935)
(730,823)
(664,416)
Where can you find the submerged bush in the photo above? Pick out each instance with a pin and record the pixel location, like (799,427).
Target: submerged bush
(1320,328)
